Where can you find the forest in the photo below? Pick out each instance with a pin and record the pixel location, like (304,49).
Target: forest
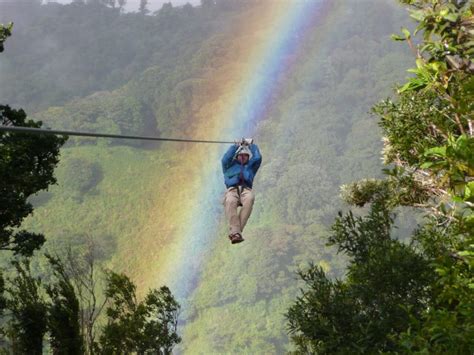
(361,237)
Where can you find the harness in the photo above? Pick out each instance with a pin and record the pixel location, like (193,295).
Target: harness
(241,185)
(240,189)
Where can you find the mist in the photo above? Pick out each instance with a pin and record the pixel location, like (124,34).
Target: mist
(132,5)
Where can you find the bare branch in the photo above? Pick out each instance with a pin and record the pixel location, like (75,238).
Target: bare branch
(458,121)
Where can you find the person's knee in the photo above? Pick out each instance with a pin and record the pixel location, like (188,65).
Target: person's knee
(231,202)
(233,205)
(249,199)
(230,198)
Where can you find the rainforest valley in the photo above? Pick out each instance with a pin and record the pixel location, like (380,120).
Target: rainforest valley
(348,249)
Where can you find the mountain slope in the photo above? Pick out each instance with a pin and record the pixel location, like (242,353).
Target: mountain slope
(317,135)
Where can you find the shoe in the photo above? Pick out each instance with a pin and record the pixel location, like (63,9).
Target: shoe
(236,238)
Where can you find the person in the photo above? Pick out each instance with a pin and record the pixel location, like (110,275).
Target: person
(239,164)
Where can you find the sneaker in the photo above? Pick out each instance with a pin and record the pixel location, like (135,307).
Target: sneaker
(236,238)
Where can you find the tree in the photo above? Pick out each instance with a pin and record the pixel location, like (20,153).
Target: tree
(29,322)
(206,4)
(63,312)
(26,166)
(33,314)
(149,325)
(121,4)
(141,327)
(27,163)
(143,7)
(3,301)
(5,32)
(429,138)
(435,112)
(349,316)
(82,268)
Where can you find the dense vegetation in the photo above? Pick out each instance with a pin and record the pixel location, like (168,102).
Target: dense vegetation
(85,48)
(26,166)
(98,69)
(414,297)
(67,307)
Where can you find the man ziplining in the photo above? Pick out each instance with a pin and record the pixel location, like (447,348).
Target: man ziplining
(240,165)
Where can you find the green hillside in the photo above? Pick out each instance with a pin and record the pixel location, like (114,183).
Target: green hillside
(137,74)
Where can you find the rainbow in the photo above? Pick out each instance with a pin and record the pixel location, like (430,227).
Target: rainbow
(244,85)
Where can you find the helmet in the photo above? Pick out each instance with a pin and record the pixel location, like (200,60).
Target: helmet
(243,149)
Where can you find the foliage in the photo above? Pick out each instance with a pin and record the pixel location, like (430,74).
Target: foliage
(398,189)
(5,32)
(349,316)
(429,137)
(31,314)
(132,326)
(63,312)
(82,264)
(447,326)
(56,307)
(3,302)
(114,48)
(26,166)
(160,73)
(142,8)
(444,74)
(81,176)
(431,127)
(29,322)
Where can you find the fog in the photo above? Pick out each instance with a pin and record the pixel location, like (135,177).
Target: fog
(153,5)
(54,54)
(132,5)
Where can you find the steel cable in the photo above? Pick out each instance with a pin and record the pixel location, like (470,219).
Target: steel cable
(33,130)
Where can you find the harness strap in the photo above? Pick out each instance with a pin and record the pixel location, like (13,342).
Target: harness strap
(239,189)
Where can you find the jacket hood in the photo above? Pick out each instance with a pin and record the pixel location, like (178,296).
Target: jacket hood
(243,150)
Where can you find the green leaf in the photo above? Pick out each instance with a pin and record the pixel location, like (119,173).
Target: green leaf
(397,37)
(450,17)
(469,191)
(436,151)
(418,15)
(406,33)
(457,199)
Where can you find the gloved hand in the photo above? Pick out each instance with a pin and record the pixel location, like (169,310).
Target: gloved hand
(238,150)
(244,141)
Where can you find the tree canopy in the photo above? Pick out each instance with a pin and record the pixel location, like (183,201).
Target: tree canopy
(36,307)
(27,165)
(5,32)
(429,143)
(99,69)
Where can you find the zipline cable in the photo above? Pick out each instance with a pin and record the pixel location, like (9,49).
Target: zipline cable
(18,129)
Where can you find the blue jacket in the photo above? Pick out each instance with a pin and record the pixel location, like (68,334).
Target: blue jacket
(232,168)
